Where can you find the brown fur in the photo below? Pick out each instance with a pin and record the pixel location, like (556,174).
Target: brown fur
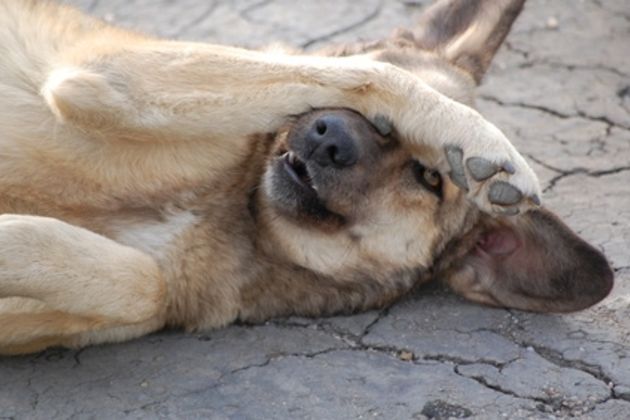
(142,200)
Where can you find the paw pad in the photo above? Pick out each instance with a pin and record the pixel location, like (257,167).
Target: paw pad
(504,194)
(480,168)
(455,158)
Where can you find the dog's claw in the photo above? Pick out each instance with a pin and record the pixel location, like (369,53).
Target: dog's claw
(509,168)
(383,125)
(504,194)
(455,158)
(536,200)
(480,168)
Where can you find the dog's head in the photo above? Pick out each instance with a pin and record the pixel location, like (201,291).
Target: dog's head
(343,199)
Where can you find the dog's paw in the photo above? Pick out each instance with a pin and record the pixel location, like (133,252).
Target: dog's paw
(482,162)
(497,180)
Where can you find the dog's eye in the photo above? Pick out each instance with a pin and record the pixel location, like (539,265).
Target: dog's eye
(428,178)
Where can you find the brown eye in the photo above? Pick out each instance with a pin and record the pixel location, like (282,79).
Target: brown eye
(428,178)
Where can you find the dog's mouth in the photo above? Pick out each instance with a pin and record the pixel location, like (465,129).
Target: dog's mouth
(316,166)
(294,190)
(298,171)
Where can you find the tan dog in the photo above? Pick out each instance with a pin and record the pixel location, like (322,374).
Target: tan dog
(153,183)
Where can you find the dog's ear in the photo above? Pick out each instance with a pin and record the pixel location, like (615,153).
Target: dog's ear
(467,32)
(532,262)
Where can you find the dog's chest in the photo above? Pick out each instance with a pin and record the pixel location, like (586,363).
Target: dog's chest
(156,237)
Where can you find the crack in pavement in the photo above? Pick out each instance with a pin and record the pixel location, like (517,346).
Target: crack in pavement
(555,357)
(353,342)
(245,13)
(198,19)
(551,405)
(554,404)
(350,343)
(560,404)
(565,173)
(219,381)
(366,19)
(582,171)
(356,343)
(555,113)
(460,361)
(268,361)
(600,4)
(77,357)
(510,47)
(545,164)
(327,326)
(530,63)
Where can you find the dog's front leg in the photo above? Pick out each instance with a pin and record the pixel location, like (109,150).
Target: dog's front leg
(160,91)
(64,285)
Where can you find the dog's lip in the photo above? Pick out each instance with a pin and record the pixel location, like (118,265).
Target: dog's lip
(298,171)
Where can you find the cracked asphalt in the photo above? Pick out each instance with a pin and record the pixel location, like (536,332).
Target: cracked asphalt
(560,89)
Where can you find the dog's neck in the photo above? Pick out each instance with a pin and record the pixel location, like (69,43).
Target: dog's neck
(277,285)
(264,279)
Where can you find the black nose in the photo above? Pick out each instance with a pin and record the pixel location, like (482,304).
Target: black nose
(330,142)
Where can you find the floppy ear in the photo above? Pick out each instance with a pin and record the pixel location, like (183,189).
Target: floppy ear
(467,32)
(532,262)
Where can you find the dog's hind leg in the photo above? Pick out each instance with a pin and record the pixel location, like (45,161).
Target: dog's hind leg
(64,285)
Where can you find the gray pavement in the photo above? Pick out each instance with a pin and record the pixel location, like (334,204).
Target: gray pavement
(560,88)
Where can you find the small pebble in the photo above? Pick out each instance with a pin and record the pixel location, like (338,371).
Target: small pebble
(552,23)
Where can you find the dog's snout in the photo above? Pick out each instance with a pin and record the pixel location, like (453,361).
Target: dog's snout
(331,142)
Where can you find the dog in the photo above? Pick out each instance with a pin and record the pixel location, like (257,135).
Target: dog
(149,183)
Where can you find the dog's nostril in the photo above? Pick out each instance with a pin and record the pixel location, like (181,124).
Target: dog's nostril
(321,127)
(333,153)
